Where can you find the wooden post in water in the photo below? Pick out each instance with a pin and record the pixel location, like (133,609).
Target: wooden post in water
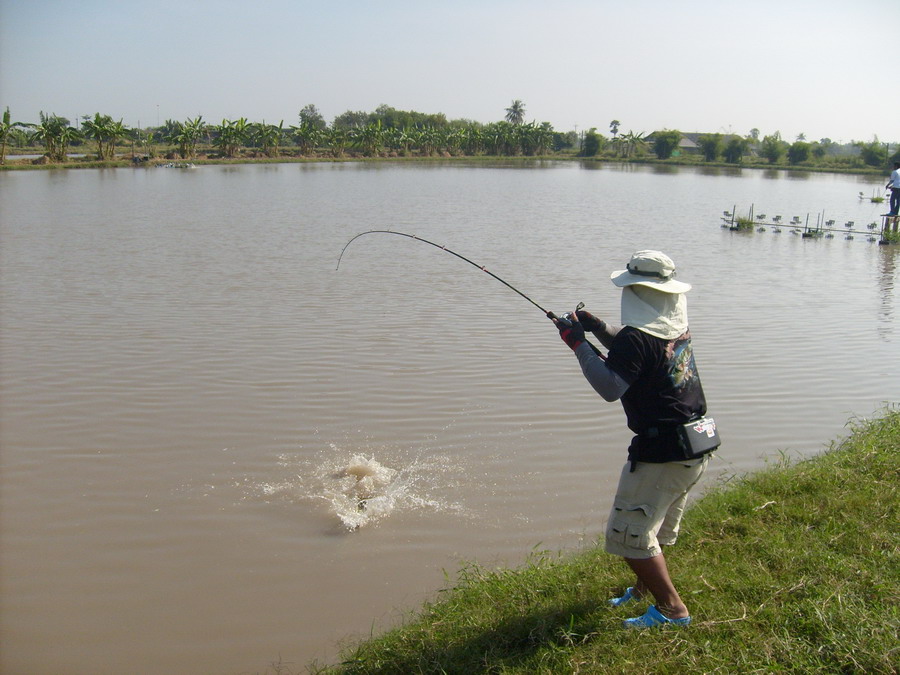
(890,224)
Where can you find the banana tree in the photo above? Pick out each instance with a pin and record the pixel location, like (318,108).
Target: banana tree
(633,143)
(534,139)
(473,140)
(186,135)
(97,129)
(543,138)
(308,137)
(429,140)
(492,138)
(267,137)
(411,139)
(106,131)
(337,140)
(6,131)
(231,135)
(55,134)
(117,131)
(397,139)
(369,139)
(453,140)
(500,138)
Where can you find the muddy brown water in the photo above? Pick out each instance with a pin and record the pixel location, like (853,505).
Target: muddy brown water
(218,451)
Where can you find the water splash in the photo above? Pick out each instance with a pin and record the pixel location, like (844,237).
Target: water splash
(363,489)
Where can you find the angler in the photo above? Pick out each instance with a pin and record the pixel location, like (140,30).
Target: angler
(650,367)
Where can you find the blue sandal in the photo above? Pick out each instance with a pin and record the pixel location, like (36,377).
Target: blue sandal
(627,597)
(653,617)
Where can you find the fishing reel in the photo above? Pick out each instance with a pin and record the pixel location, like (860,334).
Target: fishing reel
(569,317)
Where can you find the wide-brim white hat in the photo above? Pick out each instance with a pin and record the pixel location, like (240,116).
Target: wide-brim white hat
(653,269)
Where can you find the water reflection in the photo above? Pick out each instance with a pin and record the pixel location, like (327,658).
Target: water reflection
(734,171)
(887,276)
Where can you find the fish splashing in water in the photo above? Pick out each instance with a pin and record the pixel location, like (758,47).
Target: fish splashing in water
(363,491)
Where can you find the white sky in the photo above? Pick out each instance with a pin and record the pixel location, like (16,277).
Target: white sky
(826,68)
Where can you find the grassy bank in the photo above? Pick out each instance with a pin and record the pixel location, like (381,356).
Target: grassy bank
(795,569)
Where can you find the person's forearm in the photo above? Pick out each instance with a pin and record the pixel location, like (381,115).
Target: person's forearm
(600,376)
(606,333)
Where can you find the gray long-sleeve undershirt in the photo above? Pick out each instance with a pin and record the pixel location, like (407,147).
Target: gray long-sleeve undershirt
(600,376)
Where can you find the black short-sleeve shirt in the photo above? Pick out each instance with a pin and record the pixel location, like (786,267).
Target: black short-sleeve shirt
(664,390)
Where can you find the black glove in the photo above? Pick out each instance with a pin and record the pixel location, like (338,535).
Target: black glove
(588,320)
(572,335)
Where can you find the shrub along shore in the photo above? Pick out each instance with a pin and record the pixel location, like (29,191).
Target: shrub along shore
(795,568)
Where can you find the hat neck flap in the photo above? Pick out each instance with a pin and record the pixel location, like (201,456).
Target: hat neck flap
(661,314)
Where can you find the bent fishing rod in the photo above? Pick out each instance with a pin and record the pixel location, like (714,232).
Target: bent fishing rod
(565,320)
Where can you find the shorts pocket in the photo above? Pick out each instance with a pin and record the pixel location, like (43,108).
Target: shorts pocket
(629,527)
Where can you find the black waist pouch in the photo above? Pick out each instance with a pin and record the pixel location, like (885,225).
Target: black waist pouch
(698,437)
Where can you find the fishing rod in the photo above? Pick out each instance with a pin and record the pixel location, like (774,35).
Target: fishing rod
(565,320)
(444,248)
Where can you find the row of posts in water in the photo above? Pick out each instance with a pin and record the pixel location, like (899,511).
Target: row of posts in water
(822,228)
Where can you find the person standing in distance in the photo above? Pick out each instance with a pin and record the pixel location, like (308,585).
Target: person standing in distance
(894,185)
(651,369)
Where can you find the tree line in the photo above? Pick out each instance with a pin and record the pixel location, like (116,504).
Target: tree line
(387,131)
(379,133)
(773,149)
(734,149)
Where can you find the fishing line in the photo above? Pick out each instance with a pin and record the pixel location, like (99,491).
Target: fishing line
(550,315)
(444,248)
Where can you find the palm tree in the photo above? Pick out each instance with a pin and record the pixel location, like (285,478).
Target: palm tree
(614,128)
(515,113)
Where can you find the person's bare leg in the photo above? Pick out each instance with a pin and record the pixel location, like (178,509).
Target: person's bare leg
(653,576)
(639,590)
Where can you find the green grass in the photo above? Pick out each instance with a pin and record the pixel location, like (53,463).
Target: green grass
(794,569)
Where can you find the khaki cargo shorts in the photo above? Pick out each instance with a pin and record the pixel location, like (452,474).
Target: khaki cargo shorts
(649,503)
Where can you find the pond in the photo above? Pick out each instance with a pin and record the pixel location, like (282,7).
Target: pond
(219,450)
